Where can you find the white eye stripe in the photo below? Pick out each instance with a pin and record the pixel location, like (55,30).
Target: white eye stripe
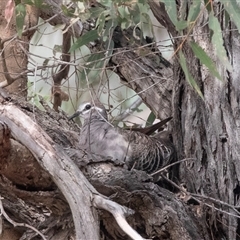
(98,109)
(84,111)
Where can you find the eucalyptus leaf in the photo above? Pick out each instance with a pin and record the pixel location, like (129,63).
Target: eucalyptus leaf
(233,10)
(147,26)
(93,66)
(194,10)
(85,39)
(208,5)
(36,3)
(96,11)
(171,9)
(190,79)
(180,25)
(100,23)
(205,59)
(68,12)
(110,26)
(217,41)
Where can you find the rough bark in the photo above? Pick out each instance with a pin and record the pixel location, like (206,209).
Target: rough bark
(207,131)
(150,75)
(52,158)
(33,187)
(158,213)
(210,129)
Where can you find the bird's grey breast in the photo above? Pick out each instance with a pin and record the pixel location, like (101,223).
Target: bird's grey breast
(100,138)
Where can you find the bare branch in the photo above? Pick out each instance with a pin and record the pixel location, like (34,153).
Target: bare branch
(119,212)
(75,187)
(15,224)
(128,111)
(172,164)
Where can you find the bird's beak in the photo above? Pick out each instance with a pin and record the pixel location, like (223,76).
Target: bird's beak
(77,113)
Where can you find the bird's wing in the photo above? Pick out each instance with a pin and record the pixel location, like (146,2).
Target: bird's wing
(151,129)
(148,153)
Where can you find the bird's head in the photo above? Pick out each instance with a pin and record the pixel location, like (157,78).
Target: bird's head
(87,109)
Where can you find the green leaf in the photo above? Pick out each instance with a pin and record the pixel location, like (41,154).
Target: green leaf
(205,59)
(93,66)
(217,41)
(109,46)
(146,24)
(190,79)
(95,59)
(233,10)
(20,16)
(40,4)
(29,2)
(110,26)
(125,23)
(194,10)
(100,23)
(208,5)
(180,25)
(151,118)
(85,39)
(123,12)
(171,9)
(95,11)
(134,13)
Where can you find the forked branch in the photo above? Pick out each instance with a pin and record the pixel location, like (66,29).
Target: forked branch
(79,193)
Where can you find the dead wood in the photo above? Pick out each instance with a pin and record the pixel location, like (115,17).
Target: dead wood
(158,213)
(52,159)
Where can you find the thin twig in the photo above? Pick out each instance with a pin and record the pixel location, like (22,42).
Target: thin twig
(128,111)
(172,164)
(144,90)
(196,196)
(15,224)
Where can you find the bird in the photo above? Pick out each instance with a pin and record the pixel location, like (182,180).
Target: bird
(137,150)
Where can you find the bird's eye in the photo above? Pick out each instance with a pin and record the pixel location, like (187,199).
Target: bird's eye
(88,106)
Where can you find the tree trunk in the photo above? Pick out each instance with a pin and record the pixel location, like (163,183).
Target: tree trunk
(208,131)
(204,131)
(44,188)
(129,188)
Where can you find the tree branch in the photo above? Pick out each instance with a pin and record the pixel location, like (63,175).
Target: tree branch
(15,224)
(79,193)
(75,187)
(119,212)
